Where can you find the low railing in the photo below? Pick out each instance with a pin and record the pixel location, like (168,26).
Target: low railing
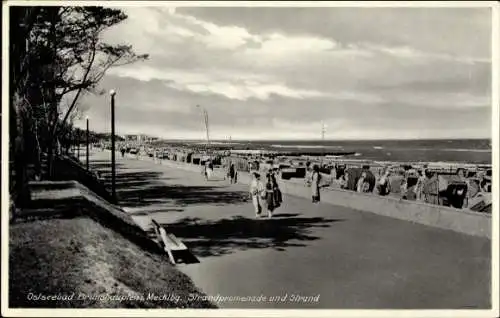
(328,181)
(460,220)
(68,168)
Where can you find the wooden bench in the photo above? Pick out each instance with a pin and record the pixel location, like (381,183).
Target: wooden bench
(168,241)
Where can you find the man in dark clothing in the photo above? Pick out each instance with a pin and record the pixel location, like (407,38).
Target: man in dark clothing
(232,173)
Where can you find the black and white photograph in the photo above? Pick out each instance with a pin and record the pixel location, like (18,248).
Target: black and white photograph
(250,158)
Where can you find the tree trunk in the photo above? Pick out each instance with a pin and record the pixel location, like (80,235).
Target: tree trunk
(20,189)
(51,92)
(38,154)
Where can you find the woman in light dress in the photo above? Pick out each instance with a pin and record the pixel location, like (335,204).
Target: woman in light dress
(419,187)
(315,182)
(308,176)
(210,169)
(430,190)
(361,185)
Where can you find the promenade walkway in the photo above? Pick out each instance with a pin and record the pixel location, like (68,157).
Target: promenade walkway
(351,259)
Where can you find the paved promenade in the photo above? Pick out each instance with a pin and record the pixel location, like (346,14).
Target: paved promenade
(351,259)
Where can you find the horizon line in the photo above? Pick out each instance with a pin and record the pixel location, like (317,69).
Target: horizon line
(298,139)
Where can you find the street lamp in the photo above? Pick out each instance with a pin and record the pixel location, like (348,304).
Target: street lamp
(88,148)
(113,159)
(78,145)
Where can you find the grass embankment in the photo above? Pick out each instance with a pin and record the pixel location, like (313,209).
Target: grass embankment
(97,266)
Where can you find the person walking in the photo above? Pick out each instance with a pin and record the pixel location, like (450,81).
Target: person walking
(204,171)
(210,169)
(315,181)
(308,176)
(270,196)
(257,192)
(430,191)
(228,172)
(278,197)
(232,173)
(419,187)
(155,155)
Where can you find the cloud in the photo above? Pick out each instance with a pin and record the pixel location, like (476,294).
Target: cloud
(279,72)
(406,52)
(424,29)
(242,87)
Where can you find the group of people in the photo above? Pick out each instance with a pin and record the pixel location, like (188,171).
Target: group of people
(417,185)
(208,172)
(425,186)
(266,195)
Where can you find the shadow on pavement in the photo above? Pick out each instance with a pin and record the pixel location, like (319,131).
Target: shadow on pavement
(179,195)
(145,188)
(145,192)
(104,165)
(221,237)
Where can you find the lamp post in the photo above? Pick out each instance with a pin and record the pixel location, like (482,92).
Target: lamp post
(323,130)
(78,145)
(88,148)
(113,159)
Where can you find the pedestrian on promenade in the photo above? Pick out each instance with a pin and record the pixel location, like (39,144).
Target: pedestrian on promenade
(232,173)
(309,172)
(384,184)
(430,189)
(344,181)
(315,181)
(258,193)
(210,169)
(360,186)
(270,195)
(277,195)
(204,171)
(228,173)
(419,187)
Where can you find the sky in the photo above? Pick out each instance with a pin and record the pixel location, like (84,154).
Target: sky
(282,73)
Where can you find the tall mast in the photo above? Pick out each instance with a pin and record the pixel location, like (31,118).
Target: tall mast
(323,129)
(206,126)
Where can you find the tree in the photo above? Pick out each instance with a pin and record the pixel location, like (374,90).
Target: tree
(56,52)
(83,56)
(22,21)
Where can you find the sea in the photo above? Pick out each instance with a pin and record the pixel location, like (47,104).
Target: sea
(474,151)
